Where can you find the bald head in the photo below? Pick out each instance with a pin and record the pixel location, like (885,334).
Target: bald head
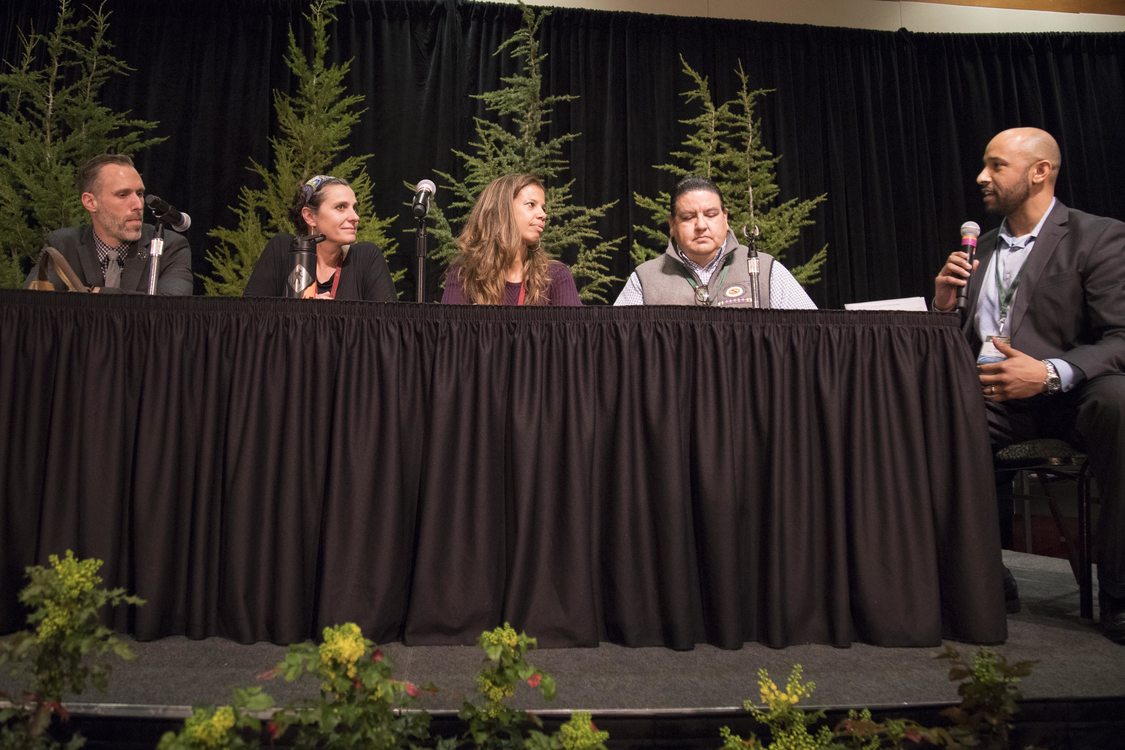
(1031,145)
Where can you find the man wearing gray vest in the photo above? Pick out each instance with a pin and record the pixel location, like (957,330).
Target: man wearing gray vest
(704,264)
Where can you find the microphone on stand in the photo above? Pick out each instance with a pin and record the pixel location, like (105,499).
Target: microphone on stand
(970,230)
(299,282)
(423,193)
(167,213)
(752,267)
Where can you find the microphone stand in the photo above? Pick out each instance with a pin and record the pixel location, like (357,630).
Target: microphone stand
(420,246)
(752,265)
(155,250)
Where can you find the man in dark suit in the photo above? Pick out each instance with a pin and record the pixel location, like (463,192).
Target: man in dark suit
(111,254)
(1046,312)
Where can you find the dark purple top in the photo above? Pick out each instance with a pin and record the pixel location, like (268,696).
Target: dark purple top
(561,293)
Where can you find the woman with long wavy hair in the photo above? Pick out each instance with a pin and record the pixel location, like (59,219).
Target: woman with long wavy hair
(502,261)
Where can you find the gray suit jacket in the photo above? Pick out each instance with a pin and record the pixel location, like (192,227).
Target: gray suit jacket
(77,246)
(1071,298)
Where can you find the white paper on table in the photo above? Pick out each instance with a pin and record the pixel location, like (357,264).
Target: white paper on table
(916,304)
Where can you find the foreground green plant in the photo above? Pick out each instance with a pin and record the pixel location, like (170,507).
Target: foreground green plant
(493,724)
(983,719)
(232,727)
(989,696)
(580,733)
(66,650)
(361,703)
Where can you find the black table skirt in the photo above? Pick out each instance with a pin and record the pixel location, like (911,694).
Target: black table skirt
(258,469)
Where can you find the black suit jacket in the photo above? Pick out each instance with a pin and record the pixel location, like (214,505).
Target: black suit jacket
(77,246)
(1071,299)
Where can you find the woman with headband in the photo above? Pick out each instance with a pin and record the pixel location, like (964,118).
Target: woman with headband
(345,269)
(502,261)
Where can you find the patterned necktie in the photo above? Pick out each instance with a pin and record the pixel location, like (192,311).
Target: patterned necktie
(113,271)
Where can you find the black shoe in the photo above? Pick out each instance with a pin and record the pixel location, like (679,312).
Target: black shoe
(1112,610)
(1011,593)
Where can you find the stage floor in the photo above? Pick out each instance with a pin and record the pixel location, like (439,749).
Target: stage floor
(1077,667)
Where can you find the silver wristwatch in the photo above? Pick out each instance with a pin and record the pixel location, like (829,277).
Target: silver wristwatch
(1053,382)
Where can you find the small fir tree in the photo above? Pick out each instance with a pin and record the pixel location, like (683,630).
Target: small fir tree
(724,144)
(315,126)
(51,121)
(514,143)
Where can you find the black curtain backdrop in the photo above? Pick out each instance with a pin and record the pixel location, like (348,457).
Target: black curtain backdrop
(259,469)
(890,125)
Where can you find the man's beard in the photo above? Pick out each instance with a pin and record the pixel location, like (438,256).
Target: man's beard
(1007,201)
(124,233)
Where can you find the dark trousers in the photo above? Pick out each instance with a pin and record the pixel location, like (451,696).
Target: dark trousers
(1092,417)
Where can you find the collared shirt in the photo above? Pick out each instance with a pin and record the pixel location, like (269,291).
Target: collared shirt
(104,250)
(1010,255)
(704,272)
(785,292)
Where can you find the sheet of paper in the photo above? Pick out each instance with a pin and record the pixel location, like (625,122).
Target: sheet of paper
(917,304)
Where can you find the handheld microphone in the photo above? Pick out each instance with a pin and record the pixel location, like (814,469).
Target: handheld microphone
(167,213)
(970,230)
(423,193)
(299,282)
